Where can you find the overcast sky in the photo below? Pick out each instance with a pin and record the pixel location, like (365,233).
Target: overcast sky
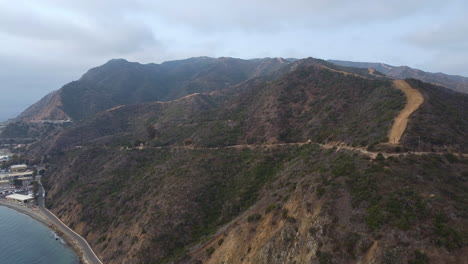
(46,44)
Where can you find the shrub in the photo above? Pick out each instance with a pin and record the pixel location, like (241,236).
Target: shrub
(392,256)
(324,257)
(375,217)
(284,213)
(320,191)
(254,218)
(451,158)
(342,168)
(350,241)
(419,258)
(210,251)
(446,236)
(271,207)
(380,157)
(151,132)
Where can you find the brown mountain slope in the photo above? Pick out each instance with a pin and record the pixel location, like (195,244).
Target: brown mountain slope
(260,206)
(119,82)
(159,183)
(48,108)
(346,214)
(441,122)
(310,102)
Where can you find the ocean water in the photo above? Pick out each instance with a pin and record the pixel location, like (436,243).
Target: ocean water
(24,240)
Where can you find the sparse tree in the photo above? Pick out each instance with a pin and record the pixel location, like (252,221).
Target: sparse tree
(152,132)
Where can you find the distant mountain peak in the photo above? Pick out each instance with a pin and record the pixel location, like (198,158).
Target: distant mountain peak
(454,82)
(117,61)
(120,82)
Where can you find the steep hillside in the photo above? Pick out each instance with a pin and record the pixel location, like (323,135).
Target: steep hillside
(454,82)
(234,175)
(262,205)
(310,102)
(335,207)
(21,132)
(119,82)
(441,123)
(50,107)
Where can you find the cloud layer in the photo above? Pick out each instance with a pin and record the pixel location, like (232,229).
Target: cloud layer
(45,44)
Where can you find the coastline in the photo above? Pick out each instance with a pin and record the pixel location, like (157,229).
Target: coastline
(38,216)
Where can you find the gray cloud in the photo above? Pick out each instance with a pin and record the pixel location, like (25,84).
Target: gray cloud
(77,32)
(447,36)
(273,15)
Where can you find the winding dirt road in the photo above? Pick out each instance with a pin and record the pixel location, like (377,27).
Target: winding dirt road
(414,99)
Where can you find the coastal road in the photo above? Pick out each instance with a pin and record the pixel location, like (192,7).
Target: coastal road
(88,252)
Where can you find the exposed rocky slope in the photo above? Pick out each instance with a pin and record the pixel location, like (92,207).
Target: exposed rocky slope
(50,107)
(454,82)
(210,178)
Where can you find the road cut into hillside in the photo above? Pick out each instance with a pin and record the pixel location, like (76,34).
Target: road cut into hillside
(414,100)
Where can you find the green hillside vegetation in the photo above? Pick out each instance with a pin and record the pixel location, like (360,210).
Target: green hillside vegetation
(308,103)
(159,203)
(29,130)
(212,175)
(442,122)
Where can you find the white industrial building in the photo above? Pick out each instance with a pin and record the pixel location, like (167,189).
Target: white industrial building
(20,198)
(19,167)
(16,175)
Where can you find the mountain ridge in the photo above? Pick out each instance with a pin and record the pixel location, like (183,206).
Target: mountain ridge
(120,82)
(62,104)
(455,82)
(251,172)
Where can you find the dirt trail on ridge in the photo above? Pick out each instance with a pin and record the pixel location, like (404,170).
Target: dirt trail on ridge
(371,71)
(414,99)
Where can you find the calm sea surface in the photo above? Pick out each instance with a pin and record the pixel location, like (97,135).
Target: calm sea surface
(23,240)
